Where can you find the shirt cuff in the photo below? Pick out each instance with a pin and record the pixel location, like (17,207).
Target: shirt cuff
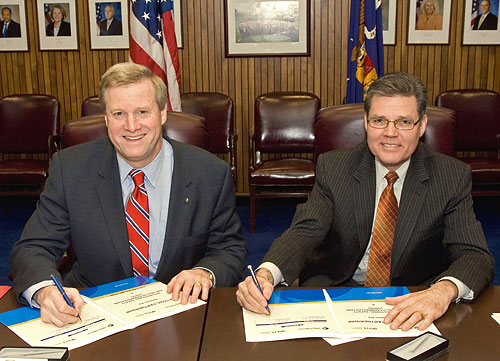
(275,271)
(464,292)
(30,291)
(213,275)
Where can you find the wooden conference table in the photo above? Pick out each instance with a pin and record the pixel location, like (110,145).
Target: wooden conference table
(473,335)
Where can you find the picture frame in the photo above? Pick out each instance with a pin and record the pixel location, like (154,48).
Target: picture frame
(16,32)
(51,36)
(429,24)
(108,35)
(389,21)
(178,23)
(486,34)
(248,33)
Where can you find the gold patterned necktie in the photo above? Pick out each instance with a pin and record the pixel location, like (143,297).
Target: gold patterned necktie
(379,261)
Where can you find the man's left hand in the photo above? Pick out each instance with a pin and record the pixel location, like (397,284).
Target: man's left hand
(425,306)
(191,282)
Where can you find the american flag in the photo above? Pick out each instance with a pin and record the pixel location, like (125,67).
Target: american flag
(153,43)
(98,16)
(46,10)
(475,12)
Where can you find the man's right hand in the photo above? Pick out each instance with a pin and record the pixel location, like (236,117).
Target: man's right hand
(53,307)
(249,296)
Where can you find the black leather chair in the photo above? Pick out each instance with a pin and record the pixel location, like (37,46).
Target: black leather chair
(478,135)
(26,123)
(282,146)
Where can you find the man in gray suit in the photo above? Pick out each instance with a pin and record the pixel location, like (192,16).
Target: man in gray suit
(436,242)
(195,240)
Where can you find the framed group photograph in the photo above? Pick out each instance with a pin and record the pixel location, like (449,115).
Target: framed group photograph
(13,30)
(57,25)
(108,24)
(429,22)
(481,22)
(389,21)
(267,27)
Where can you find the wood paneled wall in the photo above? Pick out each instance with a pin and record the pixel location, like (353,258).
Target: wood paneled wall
(71,76)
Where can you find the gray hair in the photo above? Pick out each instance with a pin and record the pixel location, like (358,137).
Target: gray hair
(398,84)
(129,73)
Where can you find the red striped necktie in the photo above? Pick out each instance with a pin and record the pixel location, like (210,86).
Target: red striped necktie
(379,261)
(137,215)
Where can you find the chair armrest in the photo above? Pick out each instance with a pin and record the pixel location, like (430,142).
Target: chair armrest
(54,145)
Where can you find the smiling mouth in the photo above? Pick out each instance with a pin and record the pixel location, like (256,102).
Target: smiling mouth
(134,138)
(390,145)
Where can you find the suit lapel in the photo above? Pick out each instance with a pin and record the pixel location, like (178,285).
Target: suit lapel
(110,198)
(364,196)
(179,209)
(410,205)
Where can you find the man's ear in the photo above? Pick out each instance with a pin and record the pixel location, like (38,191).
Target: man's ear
(423,125)
(163,113)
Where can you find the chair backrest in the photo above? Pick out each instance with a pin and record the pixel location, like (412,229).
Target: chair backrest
(183,127)
(218,111)
(26,123)
(478,117)
(91,106)
(284,122)
(342,126)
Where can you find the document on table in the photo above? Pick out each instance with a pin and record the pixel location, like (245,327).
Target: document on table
(342,313)
(109,309)
(496,317)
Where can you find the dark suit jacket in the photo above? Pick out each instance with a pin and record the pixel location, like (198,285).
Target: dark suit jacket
(436,234)
(489,23)
(82,201)
(13,30)
(115,28)
(64,30)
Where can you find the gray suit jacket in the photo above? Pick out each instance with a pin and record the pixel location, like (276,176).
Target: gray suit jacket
(82,201)
(436,235)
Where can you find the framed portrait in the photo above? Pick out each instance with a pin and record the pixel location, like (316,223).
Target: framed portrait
(389,21)
(13,30)
(108,24)
(267,27)
(57,24)
(481,22)
(429,22)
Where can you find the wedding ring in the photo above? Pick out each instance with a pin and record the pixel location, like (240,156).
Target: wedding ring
(421,314)
(199,283)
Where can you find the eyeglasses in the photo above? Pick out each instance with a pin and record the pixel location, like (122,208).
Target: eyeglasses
(400,124)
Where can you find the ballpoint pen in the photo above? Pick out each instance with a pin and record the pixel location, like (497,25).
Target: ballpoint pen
(66,298)
(256,281)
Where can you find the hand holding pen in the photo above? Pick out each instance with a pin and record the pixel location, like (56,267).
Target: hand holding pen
(63,293)
(256,281)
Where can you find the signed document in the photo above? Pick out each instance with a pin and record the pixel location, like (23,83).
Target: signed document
(109,309)
(339,313)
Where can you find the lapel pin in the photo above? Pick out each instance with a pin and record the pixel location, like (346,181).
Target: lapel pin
(186,200)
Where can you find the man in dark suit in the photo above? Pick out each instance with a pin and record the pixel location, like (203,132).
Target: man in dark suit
(485,21)
(194,232)
(436,240)
(8,27)
(110,26)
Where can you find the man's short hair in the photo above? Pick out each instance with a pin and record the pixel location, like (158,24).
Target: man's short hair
(398,84)
(6,8)
(129,73)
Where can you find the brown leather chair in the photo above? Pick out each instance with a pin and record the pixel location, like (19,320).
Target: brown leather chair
(342,126)
(91,106)
(218,111)
(26,123)
(478,135)
(284,132)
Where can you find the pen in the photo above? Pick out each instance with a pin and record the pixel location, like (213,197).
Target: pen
(256,281)
(66,298)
